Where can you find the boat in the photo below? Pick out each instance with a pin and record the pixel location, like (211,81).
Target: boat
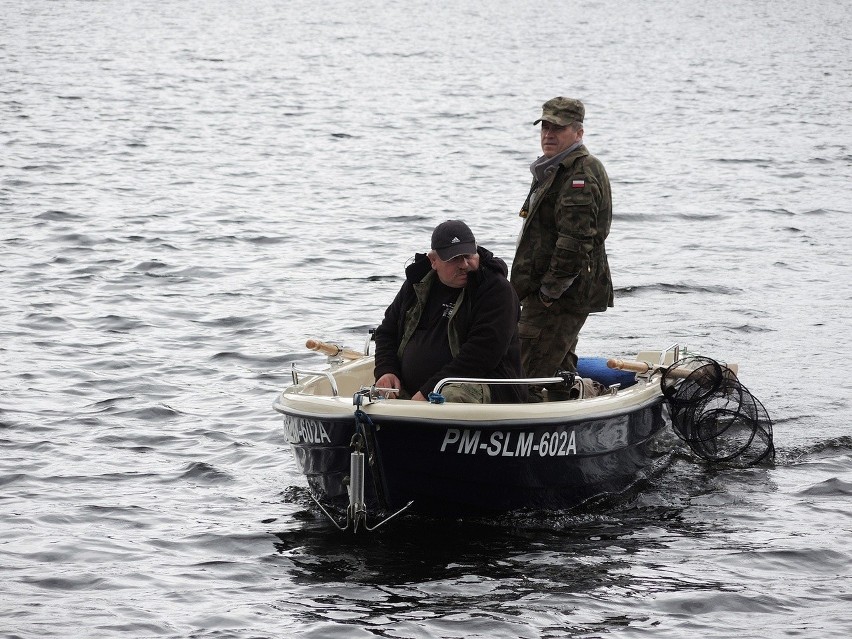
(367,458)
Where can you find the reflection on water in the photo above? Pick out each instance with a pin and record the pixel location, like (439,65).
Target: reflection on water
(519,569)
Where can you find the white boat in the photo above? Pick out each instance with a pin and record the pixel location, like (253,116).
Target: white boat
(362,453)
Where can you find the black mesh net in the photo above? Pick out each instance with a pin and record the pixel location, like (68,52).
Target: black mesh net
(715,414)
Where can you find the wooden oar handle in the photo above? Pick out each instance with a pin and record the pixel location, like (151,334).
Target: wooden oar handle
(643,367)
(332,350)
(623,365)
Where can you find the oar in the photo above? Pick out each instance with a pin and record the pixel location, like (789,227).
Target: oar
(644,367)
(332,350)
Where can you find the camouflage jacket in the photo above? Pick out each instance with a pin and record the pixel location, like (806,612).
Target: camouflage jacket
(561,247)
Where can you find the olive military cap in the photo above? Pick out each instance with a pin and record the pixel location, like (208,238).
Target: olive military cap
(562,111)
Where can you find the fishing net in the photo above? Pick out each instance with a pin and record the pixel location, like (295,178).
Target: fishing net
(715,414)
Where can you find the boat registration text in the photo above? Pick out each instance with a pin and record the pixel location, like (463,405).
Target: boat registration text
(468,441)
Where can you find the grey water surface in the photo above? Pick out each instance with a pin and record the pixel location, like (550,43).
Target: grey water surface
(191,189)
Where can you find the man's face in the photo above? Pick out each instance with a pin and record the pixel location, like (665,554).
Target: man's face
(556,138)
(453,273)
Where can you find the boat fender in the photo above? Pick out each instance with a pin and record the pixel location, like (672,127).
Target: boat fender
(436,398)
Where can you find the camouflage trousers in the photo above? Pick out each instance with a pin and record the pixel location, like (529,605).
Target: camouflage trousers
(549,337)
(467,393)
(462,393)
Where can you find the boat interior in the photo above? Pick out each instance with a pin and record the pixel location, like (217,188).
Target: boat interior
(347,373)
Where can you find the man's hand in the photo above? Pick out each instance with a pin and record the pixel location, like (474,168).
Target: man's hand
(418,396)
(389,380)
(546,301)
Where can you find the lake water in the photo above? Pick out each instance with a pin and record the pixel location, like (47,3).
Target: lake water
(189,190)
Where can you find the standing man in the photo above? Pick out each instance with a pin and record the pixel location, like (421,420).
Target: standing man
(560,270)
(456,315)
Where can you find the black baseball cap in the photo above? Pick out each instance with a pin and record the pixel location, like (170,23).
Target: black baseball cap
(453,238)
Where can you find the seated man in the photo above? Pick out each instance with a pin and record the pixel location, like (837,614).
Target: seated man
(456,315)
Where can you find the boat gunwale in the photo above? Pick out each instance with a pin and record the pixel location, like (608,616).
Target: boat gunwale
(293,400)
(548,412)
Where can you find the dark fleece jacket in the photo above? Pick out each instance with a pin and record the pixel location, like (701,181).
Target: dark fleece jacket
(486,328)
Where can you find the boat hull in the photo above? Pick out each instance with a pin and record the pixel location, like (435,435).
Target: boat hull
(450,464)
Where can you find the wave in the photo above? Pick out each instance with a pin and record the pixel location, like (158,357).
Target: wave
(678,289)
